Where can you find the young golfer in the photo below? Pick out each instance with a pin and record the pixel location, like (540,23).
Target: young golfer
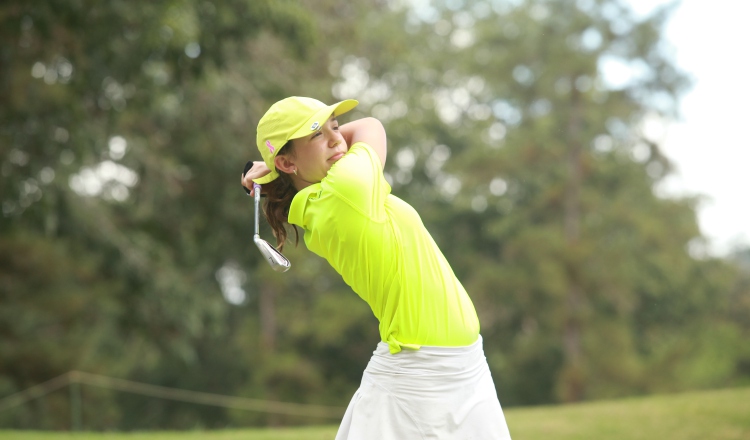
(428,377)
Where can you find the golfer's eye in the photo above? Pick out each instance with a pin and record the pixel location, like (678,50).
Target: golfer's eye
(316,135)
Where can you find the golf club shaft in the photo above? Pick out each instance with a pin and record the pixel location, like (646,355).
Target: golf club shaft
(256,188)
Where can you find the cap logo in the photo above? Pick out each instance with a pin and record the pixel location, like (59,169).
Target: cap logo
(270,147)
(315,126)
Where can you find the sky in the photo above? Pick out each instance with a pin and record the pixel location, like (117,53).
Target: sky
(710,145)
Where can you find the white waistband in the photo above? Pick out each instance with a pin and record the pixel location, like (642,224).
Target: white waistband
(382,348)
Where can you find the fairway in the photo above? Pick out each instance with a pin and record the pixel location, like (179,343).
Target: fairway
(715,415)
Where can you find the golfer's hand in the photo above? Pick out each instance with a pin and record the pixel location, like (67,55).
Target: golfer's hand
(258,170)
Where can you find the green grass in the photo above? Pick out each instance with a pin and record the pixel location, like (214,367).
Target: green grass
(714,415)
(707,415)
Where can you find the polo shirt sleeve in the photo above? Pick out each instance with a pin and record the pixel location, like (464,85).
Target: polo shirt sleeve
(357,178)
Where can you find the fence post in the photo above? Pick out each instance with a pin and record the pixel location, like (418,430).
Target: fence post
(75,401)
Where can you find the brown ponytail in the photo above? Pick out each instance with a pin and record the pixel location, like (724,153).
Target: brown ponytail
(279,195)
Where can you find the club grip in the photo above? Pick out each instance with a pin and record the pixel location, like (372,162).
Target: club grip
(248,166)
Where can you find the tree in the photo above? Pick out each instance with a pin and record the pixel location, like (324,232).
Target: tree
(108,111)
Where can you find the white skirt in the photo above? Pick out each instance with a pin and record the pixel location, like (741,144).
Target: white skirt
(430,393)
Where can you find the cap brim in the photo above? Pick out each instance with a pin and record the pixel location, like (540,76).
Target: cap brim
(344,106)
(322,115)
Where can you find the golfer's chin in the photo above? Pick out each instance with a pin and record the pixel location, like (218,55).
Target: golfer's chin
(320,176)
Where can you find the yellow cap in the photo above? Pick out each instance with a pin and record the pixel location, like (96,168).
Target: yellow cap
(292,118)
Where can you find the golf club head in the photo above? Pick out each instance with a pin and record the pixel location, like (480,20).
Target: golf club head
(278,262)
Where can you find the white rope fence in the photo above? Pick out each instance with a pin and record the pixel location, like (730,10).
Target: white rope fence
(75,378)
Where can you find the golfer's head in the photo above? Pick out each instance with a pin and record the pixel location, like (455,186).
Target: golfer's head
(312,124)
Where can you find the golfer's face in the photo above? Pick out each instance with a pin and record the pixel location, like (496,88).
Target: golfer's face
(316,153)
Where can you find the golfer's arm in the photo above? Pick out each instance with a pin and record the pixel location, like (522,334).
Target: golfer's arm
(369,131)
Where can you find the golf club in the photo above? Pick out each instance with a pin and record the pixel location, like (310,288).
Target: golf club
(278,262)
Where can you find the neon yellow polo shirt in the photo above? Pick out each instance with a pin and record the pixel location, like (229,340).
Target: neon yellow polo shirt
(379,245)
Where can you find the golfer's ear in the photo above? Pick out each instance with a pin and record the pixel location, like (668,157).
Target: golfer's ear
(284,164)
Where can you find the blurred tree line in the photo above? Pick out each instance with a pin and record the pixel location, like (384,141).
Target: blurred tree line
(518,129)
